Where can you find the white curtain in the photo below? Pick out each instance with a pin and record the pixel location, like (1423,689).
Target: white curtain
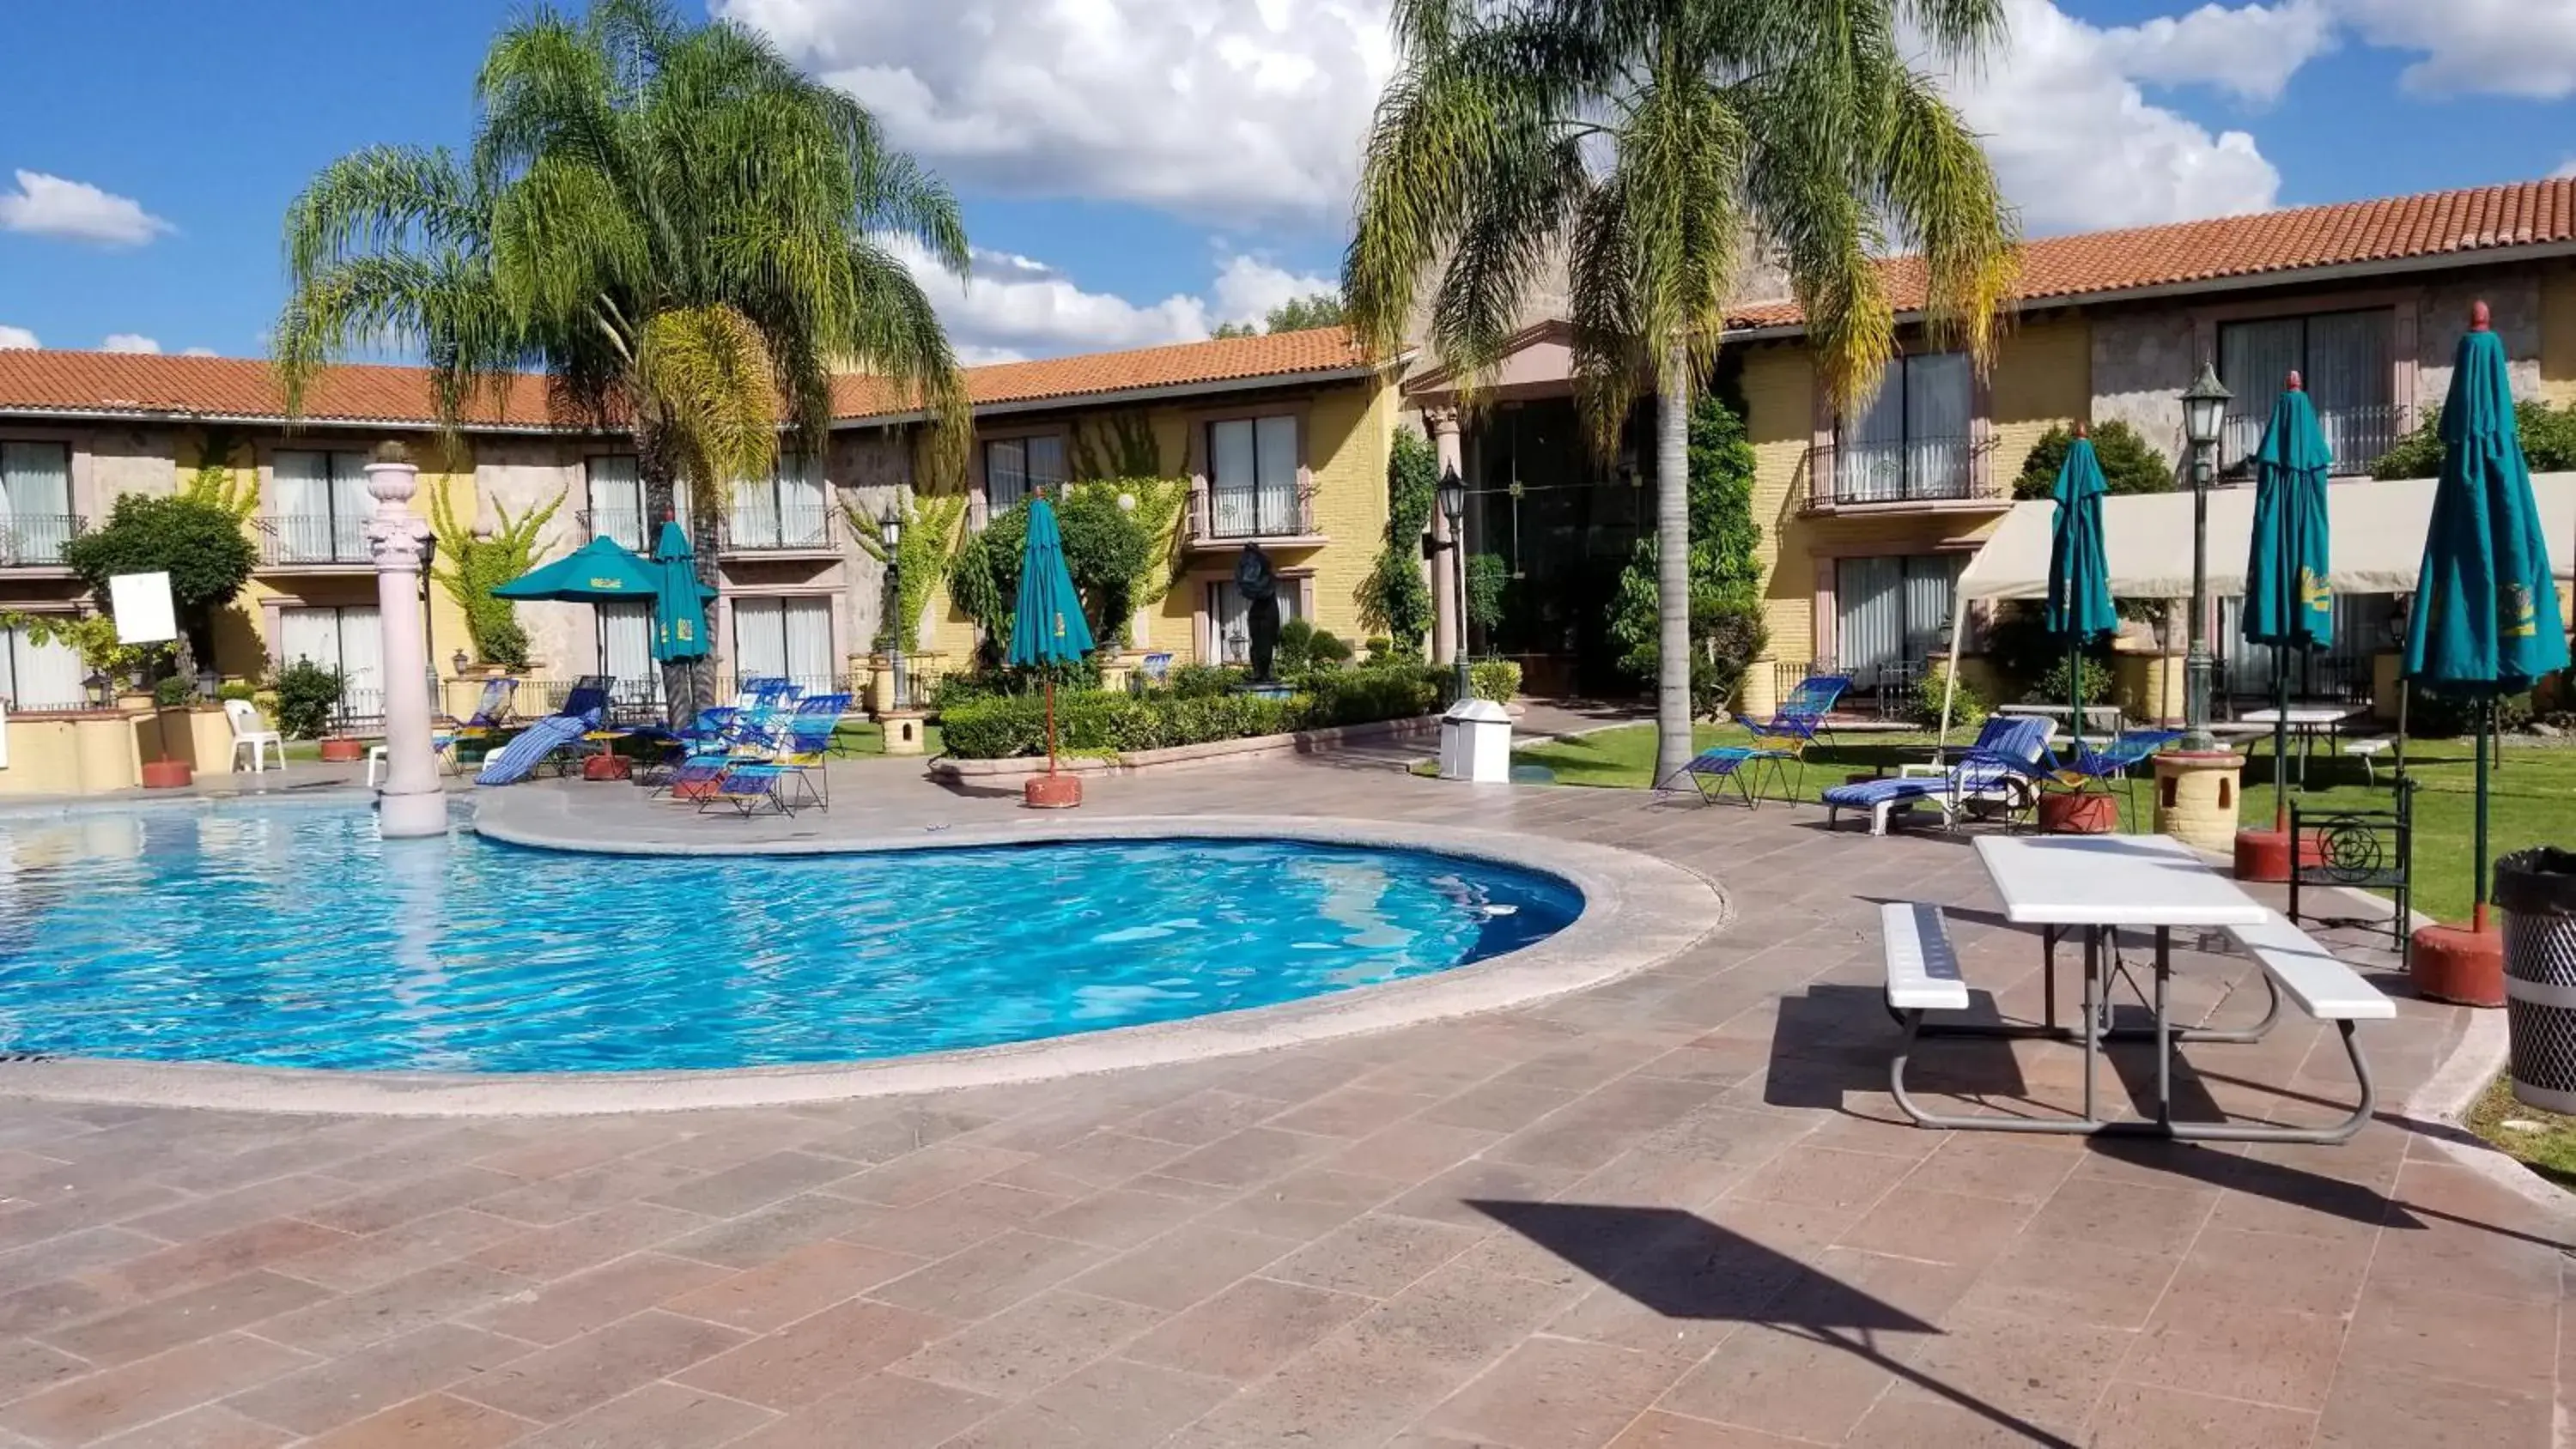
(807,625)
(35,501)
(1869,457)
(1230,620)
(1006,474)
(311,634)
(299,506)
(1234,472)
(1937,399)
(2350,381)
(1045,462)
(801,500)
(626,649)
(1275,443)
(1869,616)
(350,505)
(2255,359)
(40,676)
(362,652)
(616,500)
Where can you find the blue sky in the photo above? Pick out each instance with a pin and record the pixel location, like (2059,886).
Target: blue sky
(1134,171)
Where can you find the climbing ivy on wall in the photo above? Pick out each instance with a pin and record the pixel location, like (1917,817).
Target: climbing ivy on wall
(921,556)
(215,484)
(469,567)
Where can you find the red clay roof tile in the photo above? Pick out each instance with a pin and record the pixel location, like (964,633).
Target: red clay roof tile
(2348,233)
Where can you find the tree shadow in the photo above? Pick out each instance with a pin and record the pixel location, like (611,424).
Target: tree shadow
(1682,1266)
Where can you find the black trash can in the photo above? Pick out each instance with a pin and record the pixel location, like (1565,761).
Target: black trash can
(2536,891)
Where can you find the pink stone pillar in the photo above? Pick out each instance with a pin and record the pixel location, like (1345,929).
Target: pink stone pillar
(411,802)
(1446,627)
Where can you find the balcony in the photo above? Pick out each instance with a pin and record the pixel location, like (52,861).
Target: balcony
(794,529)
(1890,477)
(624,526)
(313,541)
(2357,436)
(1224,518)
(35,540)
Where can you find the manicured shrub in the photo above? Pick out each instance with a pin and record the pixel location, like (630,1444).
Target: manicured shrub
(997,727)
(1495,679)
(1967,707)
(307,696)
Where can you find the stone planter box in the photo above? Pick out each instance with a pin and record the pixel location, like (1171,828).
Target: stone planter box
(1303,742)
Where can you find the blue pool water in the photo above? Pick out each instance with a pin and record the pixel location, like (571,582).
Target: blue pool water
(294,937)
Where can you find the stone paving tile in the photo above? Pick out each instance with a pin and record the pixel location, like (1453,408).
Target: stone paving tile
(1678,1211)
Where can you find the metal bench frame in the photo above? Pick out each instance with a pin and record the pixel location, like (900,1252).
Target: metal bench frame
(2101,966)
(2360,849)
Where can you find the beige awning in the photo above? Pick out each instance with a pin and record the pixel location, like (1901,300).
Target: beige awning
(2378,529)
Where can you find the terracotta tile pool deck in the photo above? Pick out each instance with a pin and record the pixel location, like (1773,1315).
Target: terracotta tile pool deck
(1676,1211)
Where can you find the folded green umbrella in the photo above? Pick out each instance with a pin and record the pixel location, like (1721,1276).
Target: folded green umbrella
(2485,620)
(2080,610)
(2287,603)
(680,600)
(1049,628)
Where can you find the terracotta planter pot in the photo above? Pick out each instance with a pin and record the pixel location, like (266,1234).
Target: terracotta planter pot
(608,767)
(167,774)
(1052,792)
(343,751)
(2074,814)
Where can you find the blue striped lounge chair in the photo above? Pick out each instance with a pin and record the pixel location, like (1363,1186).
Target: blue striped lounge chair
(1801,717)
(560,731)
(788,771)
(1739,770)
(1997,767)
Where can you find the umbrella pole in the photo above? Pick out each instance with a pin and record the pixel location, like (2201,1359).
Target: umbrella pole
(2478,861)
(2280,743)
(1050,696)
(2075,691)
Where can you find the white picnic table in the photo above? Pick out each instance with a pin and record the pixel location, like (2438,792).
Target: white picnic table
(2093,885)
(2305,721)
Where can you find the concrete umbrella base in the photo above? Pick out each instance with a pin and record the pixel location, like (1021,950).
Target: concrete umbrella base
(2264,855)
(1051,792)
(2459,964)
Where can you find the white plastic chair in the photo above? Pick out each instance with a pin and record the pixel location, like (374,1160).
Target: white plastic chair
(254,734)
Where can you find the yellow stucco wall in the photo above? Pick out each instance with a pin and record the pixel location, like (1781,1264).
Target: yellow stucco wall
(2558,335)
(2042,377)
(1348,432)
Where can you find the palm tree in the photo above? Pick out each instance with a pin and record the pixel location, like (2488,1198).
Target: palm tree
(683,233)
(1656,146)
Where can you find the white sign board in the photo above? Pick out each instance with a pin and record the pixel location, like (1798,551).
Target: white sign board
(141,603)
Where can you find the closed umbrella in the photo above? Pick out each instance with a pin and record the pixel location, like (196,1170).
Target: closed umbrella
(679,619)
(1048,628)
(2287,604)
(2080,610)
(2485,621)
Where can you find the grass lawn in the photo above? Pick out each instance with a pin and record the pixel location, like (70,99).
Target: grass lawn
(2542,1141)
(2532,795)
(866,737)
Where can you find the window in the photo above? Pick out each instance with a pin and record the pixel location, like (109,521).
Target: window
(1014,467)
(1230,619)
(1890,613)
(2342,357)
(318,512)
(35,503)
(40,676)
(615,495)
(626,652)
(787,509)
(1912,440)
(790,638)
(348,639)
(2341,670)
(1252,478)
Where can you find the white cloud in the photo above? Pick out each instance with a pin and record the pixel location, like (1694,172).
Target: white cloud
(51,206)
(199,352)
(17,337)
(128,342)
(1247,288)
(2502,47)
(2075,141)
(1226,110)
(2251,51)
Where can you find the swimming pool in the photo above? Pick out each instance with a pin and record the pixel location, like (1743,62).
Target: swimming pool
(293,937)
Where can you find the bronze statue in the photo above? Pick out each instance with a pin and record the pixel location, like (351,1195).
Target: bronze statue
(1258,583)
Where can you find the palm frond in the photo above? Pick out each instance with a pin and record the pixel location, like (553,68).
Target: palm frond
(704,375)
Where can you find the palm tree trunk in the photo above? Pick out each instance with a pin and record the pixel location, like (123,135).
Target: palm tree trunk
(1672,567)
(688,685)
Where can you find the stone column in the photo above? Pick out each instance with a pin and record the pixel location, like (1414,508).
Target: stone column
(1447,628)
(411,802)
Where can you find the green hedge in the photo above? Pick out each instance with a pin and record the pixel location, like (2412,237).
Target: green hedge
(1006,727)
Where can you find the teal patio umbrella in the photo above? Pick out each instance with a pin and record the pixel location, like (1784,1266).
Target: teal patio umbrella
(2080,610)
(679,619)
(1047,627)
(2287,605)
(599,569)
(2485,621)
